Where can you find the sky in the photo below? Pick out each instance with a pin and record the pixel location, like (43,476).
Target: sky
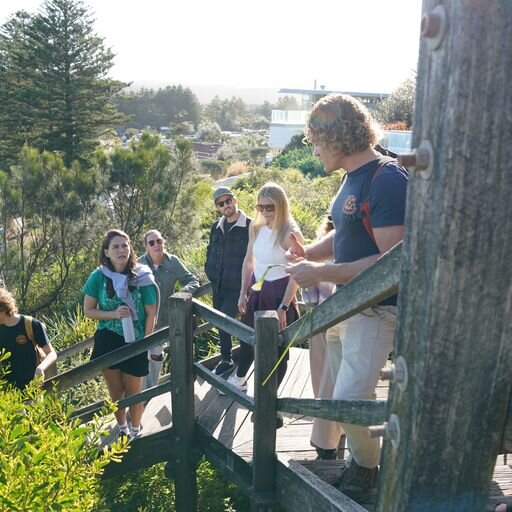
(347,45)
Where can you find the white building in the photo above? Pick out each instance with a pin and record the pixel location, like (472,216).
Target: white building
(286,123)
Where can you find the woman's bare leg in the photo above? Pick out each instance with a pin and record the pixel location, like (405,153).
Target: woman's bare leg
(116,390)
(132,386)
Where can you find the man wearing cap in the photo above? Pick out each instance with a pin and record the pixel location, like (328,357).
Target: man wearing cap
(168,270)
(224,258)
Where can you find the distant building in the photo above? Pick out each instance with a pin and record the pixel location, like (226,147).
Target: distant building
(286,123)
(205,150)
(397,141)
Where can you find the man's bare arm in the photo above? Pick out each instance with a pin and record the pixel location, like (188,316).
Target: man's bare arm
(307,273)
(316,251)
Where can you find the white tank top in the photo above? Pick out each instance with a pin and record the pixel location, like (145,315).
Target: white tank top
(267,253)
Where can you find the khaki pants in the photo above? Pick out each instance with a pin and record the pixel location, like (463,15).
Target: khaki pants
(325,434)
(151,379)
(358,348)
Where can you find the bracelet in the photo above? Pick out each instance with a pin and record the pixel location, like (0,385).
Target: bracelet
(282,306)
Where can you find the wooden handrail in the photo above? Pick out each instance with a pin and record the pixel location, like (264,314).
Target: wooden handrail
(76,348)
(266,353)
(223,385)
(372,285)
(359,412)
(89,342)
(86,413)
(299,489)
(369,287)
(182,401)
(89,370)
(224,322)
(204,289)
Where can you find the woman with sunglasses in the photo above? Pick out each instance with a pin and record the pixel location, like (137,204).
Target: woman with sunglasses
(269,239)
(168,270)
(118,291)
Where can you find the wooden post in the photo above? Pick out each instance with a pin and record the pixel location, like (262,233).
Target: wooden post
(182,391)
(455,306)
(266,326)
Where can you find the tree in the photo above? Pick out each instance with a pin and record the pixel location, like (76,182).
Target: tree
(209,131)
(296,142)
(62,68)
(299,158)
(170,106)
(177,105)
(138,108)
(145,182)
(47,209)
(265,109)
(287,103)
(228,114)
(246,148)
(134,180)
(399,106)
(16,123)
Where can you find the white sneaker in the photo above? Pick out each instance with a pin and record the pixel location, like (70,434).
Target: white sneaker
(135,432)
(239,382)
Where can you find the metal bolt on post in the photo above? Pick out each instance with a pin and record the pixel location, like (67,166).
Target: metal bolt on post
(389,430)
(434,27)
(397,373)
(419,159)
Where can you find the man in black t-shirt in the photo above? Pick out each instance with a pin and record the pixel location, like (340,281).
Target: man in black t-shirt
(23,363)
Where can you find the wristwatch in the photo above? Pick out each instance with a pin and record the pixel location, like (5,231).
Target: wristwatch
(284,307)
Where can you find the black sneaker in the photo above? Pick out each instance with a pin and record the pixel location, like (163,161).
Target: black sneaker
(357,482)
(324,454)
(224,366)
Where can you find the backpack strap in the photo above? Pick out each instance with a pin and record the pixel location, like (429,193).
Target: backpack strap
(385,151)
(364,205)
(29,329)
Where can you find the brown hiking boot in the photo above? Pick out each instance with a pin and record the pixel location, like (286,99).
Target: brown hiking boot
(357,482)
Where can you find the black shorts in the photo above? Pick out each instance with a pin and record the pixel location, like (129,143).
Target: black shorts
(106,341)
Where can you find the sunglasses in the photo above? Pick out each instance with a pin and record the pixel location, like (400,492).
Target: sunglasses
(266,207)
(229,200)
(158,241)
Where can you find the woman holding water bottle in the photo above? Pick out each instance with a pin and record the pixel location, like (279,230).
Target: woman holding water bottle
(121,293)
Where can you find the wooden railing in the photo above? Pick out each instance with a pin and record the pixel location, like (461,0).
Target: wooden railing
(265,478)
(88,370)
(273,481)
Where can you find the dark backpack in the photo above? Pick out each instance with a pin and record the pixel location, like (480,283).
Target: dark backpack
(363,211)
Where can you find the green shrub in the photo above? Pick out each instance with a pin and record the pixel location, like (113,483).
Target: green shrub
(216,168)
(296,142)
(49,462)
(148,490)
(300,158)
(64,331)
(70,328)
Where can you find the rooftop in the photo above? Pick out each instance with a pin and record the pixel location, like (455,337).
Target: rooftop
(314,92)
